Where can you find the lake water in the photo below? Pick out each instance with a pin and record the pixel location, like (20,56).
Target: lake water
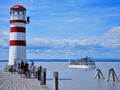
(79,79)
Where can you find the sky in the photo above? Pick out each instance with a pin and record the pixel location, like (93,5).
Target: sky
(64,29)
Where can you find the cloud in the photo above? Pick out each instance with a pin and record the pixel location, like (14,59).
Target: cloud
(113,33)
(38,47)
(112,38)
(57,53)
(4,44)
(4,40)
(57,43)
(107,45)
(64,48)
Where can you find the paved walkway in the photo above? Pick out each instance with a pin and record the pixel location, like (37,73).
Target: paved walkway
(10,81)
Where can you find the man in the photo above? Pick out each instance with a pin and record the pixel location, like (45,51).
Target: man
(26,67)
(21,66)
(32,66)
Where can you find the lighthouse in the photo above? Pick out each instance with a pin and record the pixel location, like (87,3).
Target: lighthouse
(17,45)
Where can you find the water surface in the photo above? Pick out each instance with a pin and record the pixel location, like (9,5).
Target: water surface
(79,79)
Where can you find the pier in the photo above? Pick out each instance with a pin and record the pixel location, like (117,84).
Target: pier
(9,81)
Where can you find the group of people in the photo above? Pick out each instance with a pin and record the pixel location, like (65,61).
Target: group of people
(24,66)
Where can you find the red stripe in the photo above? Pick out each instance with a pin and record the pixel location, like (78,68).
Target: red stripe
(21,21)
(17,29)
(17,43)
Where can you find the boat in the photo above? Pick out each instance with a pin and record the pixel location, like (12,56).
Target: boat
(84,63)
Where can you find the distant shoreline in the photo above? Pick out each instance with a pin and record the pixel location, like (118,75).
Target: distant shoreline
(66,60)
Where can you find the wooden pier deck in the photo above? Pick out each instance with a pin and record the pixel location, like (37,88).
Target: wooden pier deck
(9,81)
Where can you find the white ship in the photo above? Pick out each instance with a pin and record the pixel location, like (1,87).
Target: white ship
(85,63)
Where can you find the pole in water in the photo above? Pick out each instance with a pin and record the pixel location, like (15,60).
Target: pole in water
(55,76)
(43,76)
(99,74)
(114,76)
(39,69)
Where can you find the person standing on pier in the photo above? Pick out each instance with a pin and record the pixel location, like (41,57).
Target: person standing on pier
(32,66)
(14,67)
(21,66)
(26,67)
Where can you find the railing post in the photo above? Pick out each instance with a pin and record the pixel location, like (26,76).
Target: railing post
(34,72)
(55,76)
(39,69)
(43,76)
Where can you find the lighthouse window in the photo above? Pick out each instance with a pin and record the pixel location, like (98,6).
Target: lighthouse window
(11,11)
(15,11)
(21,12)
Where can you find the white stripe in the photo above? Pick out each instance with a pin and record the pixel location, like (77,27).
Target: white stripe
(17,36)
(16,52)
(16,17)
(17,24)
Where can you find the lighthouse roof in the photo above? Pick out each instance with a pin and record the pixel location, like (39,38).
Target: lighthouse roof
(18,6)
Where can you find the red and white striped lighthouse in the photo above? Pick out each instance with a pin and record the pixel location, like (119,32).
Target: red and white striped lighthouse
(17,48)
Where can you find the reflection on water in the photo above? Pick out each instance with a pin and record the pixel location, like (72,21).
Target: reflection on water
(79,79)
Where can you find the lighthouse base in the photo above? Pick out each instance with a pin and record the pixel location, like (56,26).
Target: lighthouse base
(16,54)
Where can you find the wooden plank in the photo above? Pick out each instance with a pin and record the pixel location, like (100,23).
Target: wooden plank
(10,81)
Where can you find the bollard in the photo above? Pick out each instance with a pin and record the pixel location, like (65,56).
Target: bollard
(43,76)
(38,72)
(55,76)
(114,76)
(34,72)
(39,69)
(99,74)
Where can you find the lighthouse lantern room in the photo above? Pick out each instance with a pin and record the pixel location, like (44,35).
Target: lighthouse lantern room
(18,12)
(17,48)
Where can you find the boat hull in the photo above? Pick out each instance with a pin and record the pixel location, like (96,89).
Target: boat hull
(82,66)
